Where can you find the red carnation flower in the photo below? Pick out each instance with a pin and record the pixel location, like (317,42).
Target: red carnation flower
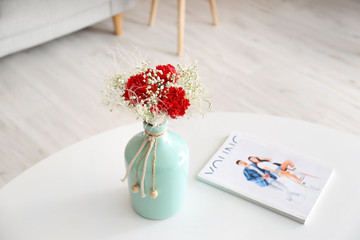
(136,87)
(166,69)
(173,102)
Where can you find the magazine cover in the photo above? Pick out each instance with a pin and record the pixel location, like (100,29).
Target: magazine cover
(273,178)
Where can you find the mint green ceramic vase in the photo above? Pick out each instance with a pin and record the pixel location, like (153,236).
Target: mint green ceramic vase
(165,179)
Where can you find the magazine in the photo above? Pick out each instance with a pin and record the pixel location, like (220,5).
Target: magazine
(281,181)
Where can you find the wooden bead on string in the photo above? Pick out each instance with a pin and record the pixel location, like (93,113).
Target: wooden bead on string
(135,188)
(153,194)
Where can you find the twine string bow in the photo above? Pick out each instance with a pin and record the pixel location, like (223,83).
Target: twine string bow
(149,143)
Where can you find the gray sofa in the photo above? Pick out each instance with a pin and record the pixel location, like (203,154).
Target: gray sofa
(27,23)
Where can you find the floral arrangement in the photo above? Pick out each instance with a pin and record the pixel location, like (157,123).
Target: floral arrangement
(157,94)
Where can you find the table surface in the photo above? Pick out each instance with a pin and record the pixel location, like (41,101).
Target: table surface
(77,194)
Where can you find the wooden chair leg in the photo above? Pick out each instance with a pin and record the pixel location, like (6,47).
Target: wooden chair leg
(153,12)
(118,24)
(213,12)
(181,26)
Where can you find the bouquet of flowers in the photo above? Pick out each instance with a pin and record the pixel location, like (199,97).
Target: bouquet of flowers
(157,94)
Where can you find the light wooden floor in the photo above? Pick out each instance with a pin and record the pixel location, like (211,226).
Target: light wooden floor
(297,59)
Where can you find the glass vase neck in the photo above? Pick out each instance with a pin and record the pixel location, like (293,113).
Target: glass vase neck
(155,129)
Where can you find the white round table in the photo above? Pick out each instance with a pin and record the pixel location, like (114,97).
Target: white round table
(77,194)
